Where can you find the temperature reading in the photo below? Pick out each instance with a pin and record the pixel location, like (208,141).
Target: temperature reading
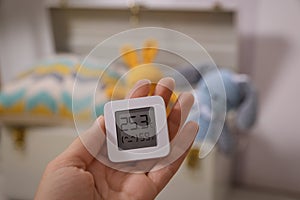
(136,128)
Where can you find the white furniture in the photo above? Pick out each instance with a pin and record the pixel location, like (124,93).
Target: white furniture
(210,180)
(22,167)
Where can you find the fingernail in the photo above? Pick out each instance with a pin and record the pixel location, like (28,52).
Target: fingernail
(167,82)
(168,79)
(187,95)
(143,82)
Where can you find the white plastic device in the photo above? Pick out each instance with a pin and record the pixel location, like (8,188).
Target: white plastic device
(136,129)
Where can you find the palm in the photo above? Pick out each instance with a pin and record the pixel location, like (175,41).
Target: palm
(114,184)
(97,181)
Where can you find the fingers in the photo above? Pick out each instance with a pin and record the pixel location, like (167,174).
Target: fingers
(140,89)
(179,150)
(83,150)
(176,119)
(179,113)
(164,88)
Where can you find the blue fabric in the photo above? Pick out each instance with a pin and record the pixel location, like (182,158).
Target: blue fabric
(79,104)
(8,100)
(42,98)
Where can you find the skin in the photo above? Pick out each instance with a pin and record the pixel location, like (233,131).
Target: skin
(76,174)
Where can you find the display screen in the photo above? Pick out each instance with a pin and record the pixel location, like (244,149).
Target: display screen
(136,128)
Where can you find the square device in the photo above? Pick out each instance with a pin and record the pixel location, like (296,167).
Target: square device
(136,129)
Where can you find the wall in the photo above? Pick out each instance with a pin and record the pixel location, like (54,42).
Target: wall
(270,52)
(24,35)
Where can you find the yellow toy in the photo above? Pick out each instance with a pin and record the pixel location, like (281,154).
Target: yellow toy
(141,69)
(138,69)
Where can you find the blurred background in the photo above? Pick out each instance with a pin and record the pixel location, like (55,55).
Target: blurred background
(259,38)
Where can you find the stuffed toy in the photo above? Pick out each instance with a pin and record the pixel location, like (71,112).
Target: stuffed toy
(138,69)
(241,99)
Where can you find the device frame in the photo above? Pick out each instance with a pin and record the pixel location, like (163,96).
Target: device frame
(162,148)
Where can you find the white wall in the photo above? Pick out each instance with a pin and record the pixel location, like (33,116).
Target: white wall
(24,35)
(270,45)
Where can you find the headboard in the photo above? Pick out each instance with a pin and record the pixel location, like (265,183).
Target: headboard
(78,29)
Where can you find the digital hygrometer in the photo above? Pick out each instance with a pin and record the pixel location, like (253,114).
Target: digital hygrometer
(136,129)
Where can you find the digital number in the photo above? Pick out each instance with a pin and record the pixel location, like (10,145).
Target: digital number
(141,137)
(133,125)
(132,122)
(124,123)
(129,139)
(147,135)
(146,123)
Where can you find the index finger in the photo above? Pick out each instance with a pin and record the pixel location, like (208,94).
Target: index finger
(140,89)
(164,88)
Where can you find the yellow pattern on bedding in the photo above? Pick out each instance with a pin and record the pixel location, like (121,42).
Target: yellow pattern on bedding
(46,90)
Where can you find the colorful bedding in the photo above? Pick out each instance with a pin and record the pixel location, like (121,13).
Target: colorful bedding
(45,91)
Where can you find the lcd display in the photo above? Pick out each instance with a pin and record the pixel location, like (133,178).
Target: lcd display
(136,128)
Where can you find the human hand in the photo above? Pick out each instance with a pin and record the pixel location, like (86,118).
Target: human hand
(77,174)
